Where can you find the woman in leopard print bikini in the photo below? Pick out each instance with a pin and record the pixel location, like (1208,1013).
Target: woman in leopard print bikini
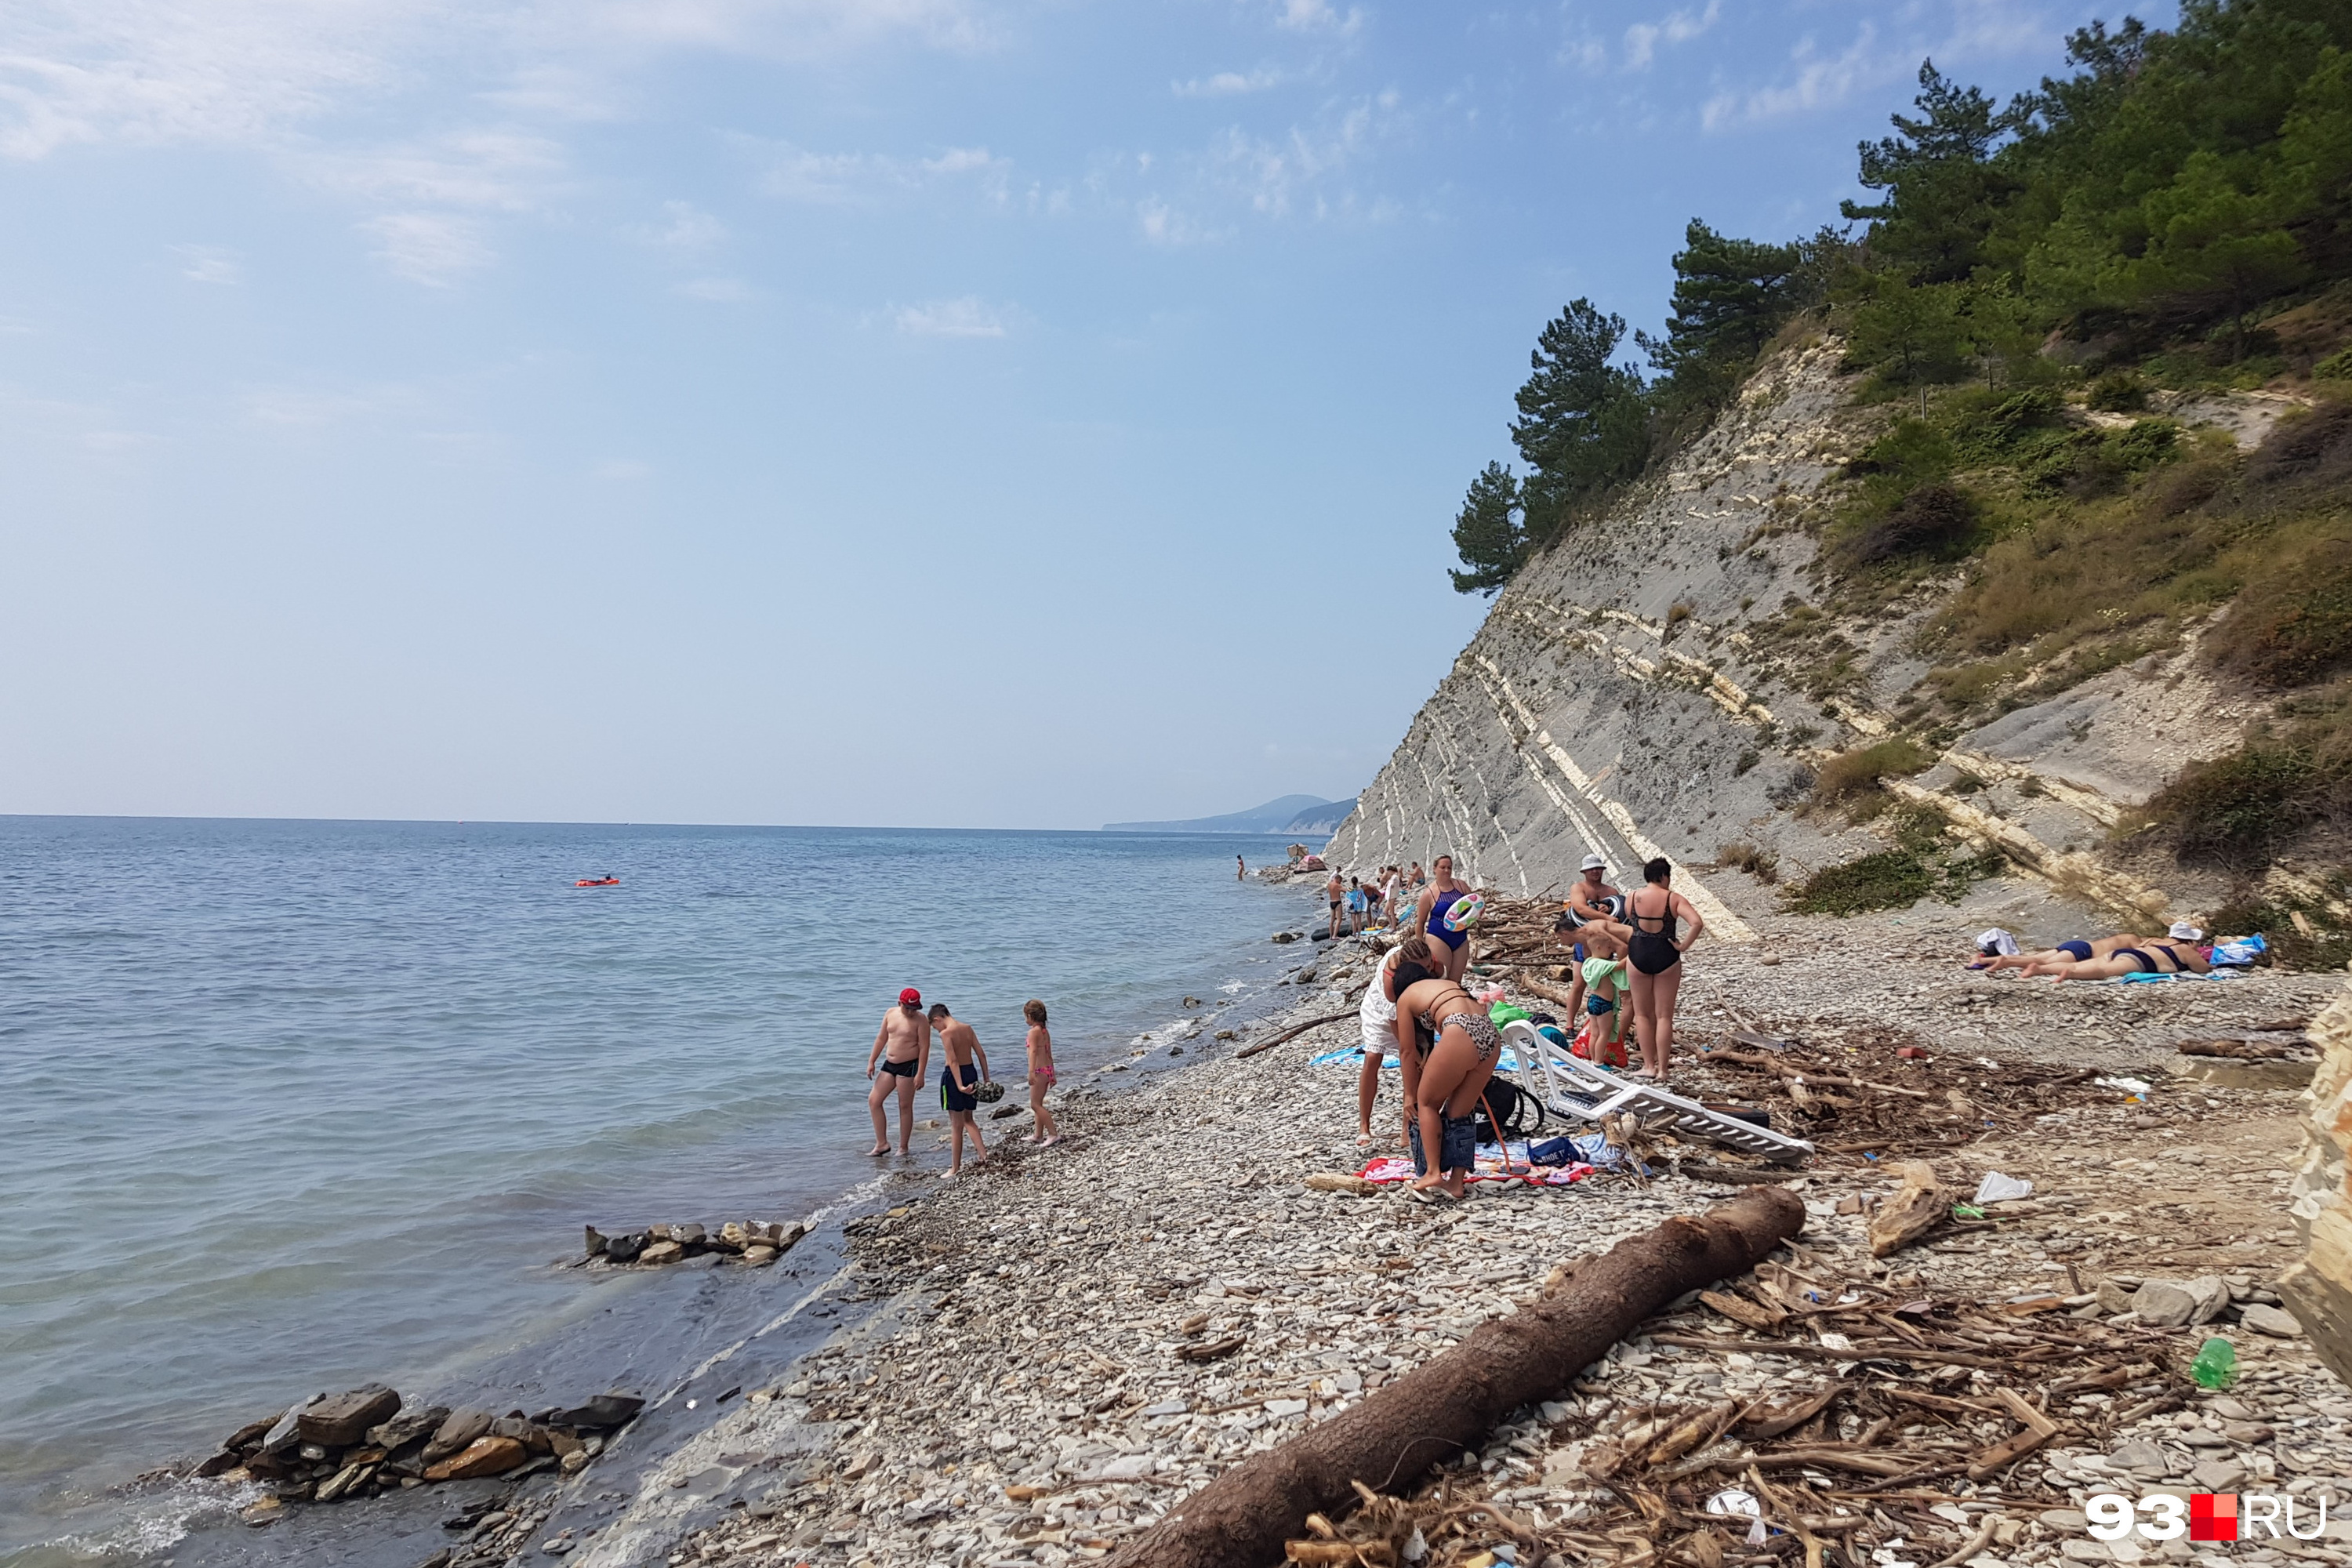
(1441,1087)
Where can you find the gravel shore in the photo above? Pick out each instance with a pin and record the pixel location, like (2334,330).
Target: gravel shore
(1076,1337)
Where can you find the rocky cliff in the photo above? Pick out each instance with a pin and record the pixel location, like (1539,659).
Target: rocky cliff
(1671,678)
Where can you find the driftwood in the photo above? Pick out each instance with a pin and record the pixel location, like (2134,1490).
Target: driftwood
(1392,1438)
(2240,1050)
(1912,1212)
(1292,1032)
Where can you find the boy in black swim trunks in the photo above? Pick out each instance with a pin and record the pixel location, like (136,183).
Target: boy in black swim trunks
(909,1041)
(959,1081)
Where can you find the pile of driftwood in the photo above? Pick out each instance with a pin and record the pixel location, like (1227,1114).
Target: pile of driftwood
(1874,1091)
(1909,1397)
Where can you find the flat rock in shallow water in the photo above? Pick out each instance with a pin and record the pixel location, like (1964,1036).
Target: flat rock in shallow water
(602,1413)
(483,1456)
(341,1420)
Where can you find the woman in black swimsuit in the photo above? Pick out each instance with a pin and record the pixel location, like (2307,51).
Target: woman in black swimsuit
(1657,957)
(1442,1087)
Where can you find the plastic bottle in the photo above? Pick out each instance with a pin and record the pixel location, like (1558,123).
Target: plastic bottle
(2216,1366)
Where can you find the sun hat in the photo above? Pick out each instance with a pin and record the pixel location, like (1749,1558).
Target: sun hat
(2183,932)
(1593,863)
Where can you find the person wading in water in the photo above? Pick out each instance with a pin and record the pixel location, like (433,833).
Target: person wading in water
(1653,912)
(907,1036)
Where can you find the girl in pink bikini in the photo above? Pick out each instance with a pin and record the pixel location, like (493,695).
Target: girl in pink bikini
(1041,1076)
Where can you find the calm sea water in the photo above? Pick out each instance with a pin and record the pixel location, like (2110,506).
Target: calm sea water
(292,1105)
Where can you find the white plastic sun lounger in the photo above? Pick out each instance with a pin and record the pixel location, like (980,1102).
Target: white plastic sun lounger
(1564,1081)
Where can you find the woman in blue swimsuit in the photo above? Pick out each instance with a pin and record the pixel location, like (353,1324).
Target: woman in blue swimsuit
(1429,916)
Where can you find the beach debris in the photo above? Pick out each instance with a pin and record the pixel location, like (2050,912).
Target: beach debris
(1914,1210)
(1293,1032)
(756,1243)
(1340,1181)
(334,1448)
(2244,1050)
(1997,1188)
(1450,1405)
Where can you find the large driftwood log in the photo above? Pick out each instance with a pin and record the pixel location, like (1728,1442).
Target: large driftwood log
(1388,1440)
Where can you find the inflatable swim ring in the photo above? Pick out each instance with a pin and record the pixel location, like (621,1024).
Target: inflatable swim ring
(1464,912)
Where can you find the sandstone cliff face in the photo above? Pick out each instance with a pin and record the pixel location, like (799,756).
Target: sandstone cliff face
(2319,1288)
(1642,689)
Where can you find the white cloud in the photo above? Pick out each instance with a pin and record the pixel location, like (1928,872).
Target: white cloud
(689,230)
(497,170)
(1165,225)
(1819,82)
(716,290)
(797,175)
(1318,16)
(965,318)
(1643,38)
(208,263)
(428,247)
(1228,84)
(249,72)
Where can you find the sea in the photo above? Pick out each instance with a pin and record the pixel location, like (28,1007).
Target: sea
(292,1105)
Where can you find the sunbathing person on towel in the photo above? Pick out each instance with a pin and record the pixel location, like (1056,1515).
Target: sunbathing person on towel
(2149,958)
(2079,950)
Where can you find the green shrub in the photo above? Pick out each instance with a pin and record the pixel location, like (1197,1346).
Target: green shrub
(1892,879)
(1760,864)
(1855,772)
(2119,392)
(2336,366)
(2293,624)
(2236,811)
(1935,521)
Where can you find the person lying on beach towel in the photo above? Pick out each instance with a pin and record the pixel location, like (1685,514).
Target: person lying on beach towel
(2080,950)
(2149,958)
(2050,960)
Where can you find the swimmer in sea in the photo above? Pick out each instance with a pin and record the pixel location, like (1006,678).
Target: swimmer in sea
(908,1040)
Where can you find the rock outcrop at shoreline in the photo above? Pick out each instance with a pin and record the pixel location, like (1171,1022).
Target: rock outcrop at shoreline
(754,1243)
(339,1447)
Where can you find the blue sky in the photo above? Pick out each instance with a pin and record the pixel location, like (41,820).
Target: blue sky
(924,411)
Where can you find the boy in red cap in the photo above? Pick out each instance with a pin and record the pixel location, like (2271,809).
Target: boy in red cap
(907,1035)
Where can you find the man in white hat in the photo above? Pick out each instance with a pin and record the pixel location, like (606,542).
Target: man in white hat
(1588,899)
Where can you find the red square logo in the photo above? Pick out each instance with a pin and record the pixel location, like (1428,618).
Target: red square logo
(2212,1516)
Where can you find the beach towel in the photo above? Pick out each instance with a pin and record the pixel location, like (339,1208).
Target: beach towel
(1490,1166)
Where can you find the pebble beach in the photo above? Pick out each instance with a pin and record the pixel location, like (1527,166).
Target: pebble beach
(1063,1346)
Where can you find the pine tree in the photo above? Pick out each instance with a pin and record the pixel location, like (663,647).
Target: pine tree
(1582,427)
(1487,533)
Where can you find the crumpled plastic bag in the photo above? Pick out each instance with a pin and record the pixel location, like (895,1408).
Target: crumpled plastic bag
(1997,1188)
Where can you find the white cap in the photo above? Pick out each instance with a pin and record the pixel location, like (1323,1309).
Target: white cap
(2183,932)
(1593,863)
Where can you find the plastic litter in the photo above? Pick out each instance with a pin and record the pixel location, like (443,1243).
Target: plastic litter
(1967,1211)
(1732,1500)
(1997,1188)
(2216,1366)
(2134,1088)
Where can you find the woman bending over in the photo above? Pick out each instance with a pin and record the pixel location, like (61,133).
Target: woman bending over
(1448,1048)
